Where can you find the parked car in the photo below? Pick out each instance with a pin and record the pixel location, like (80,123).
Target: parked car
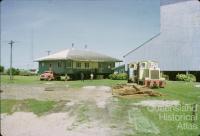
(49,75)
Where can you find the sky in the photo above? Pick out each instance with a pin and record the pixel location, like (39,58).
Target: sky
(111,27)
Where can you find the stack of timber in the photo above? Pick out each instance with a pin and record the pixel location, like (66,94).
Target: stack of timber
(133,89)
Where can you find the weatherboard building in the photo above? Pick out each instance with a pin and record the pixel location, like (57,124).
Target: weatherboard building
(73,62)
(177,46)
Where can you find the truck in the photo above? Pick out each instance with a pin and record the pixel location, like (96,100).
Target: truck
(49,75)
(146,73)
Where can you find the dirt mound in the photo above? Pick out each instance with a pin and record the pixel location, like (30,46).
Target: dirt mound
(133,89)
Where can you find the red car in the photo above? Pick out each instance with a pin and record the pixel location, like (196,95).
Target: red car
(49,75)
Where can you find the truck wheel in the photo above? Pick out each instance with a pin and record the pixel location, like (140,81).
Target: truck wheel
(49,79)
(59,78)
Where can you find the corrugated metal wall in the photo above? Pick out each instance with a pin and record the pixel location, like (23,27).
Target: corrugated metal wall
(177,48)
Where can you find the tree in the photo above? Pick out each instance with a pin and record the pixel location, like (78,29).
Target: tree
(1,69)
(14,71)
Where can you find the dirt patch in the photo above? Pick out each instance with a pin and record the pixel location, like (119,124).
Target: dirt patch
(55,124)
(49,89)
(97,94)
(49,83)
(158,103)
(70,104)
(100,94)
(91,110)
(89,87)
(56,93)
(89,129)
(28,124)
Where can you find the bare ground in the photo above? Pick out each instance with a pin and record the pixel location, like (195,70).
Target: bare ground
(59,124)
(56,93)
(55,124)
(90,110)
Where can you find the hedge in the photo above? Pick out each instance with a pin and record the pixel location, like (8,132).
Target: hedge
(186,77)
(120,76)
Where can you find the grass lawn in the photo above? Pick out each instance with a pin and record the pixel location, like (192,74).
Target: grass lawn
(146,119)
(34,80)
(186,92)
(122,114)
(5,79)
(28,105)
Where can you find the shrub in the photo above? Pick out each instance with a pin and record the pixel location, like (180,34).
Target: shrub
(165,76)
(120,76)
(25,73)
(1,69)
(99,77)
(186,77)
(14,71)
(191,78)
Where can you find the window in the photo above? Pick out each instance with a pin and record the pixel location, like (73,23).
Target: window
(109,66)
(86,65)
(113,65)
(42,64)
(78,64)
(49,65)
(68,64)
(59,64)
(143,65)
(100,65)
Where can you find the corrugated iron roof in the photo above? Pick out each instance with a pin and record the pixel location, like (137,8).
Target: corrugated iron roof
(79,55)
(178,45)
(167,2)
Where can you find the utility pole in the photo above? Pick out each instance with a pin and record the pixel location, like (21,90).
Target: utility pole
(32,50)
(48,52)
(11,46)
(85,46)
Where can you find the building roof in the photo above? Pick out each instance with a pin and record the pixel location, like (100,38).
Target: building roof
(119,67)
(177,46)
(167,2)
(78,55)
